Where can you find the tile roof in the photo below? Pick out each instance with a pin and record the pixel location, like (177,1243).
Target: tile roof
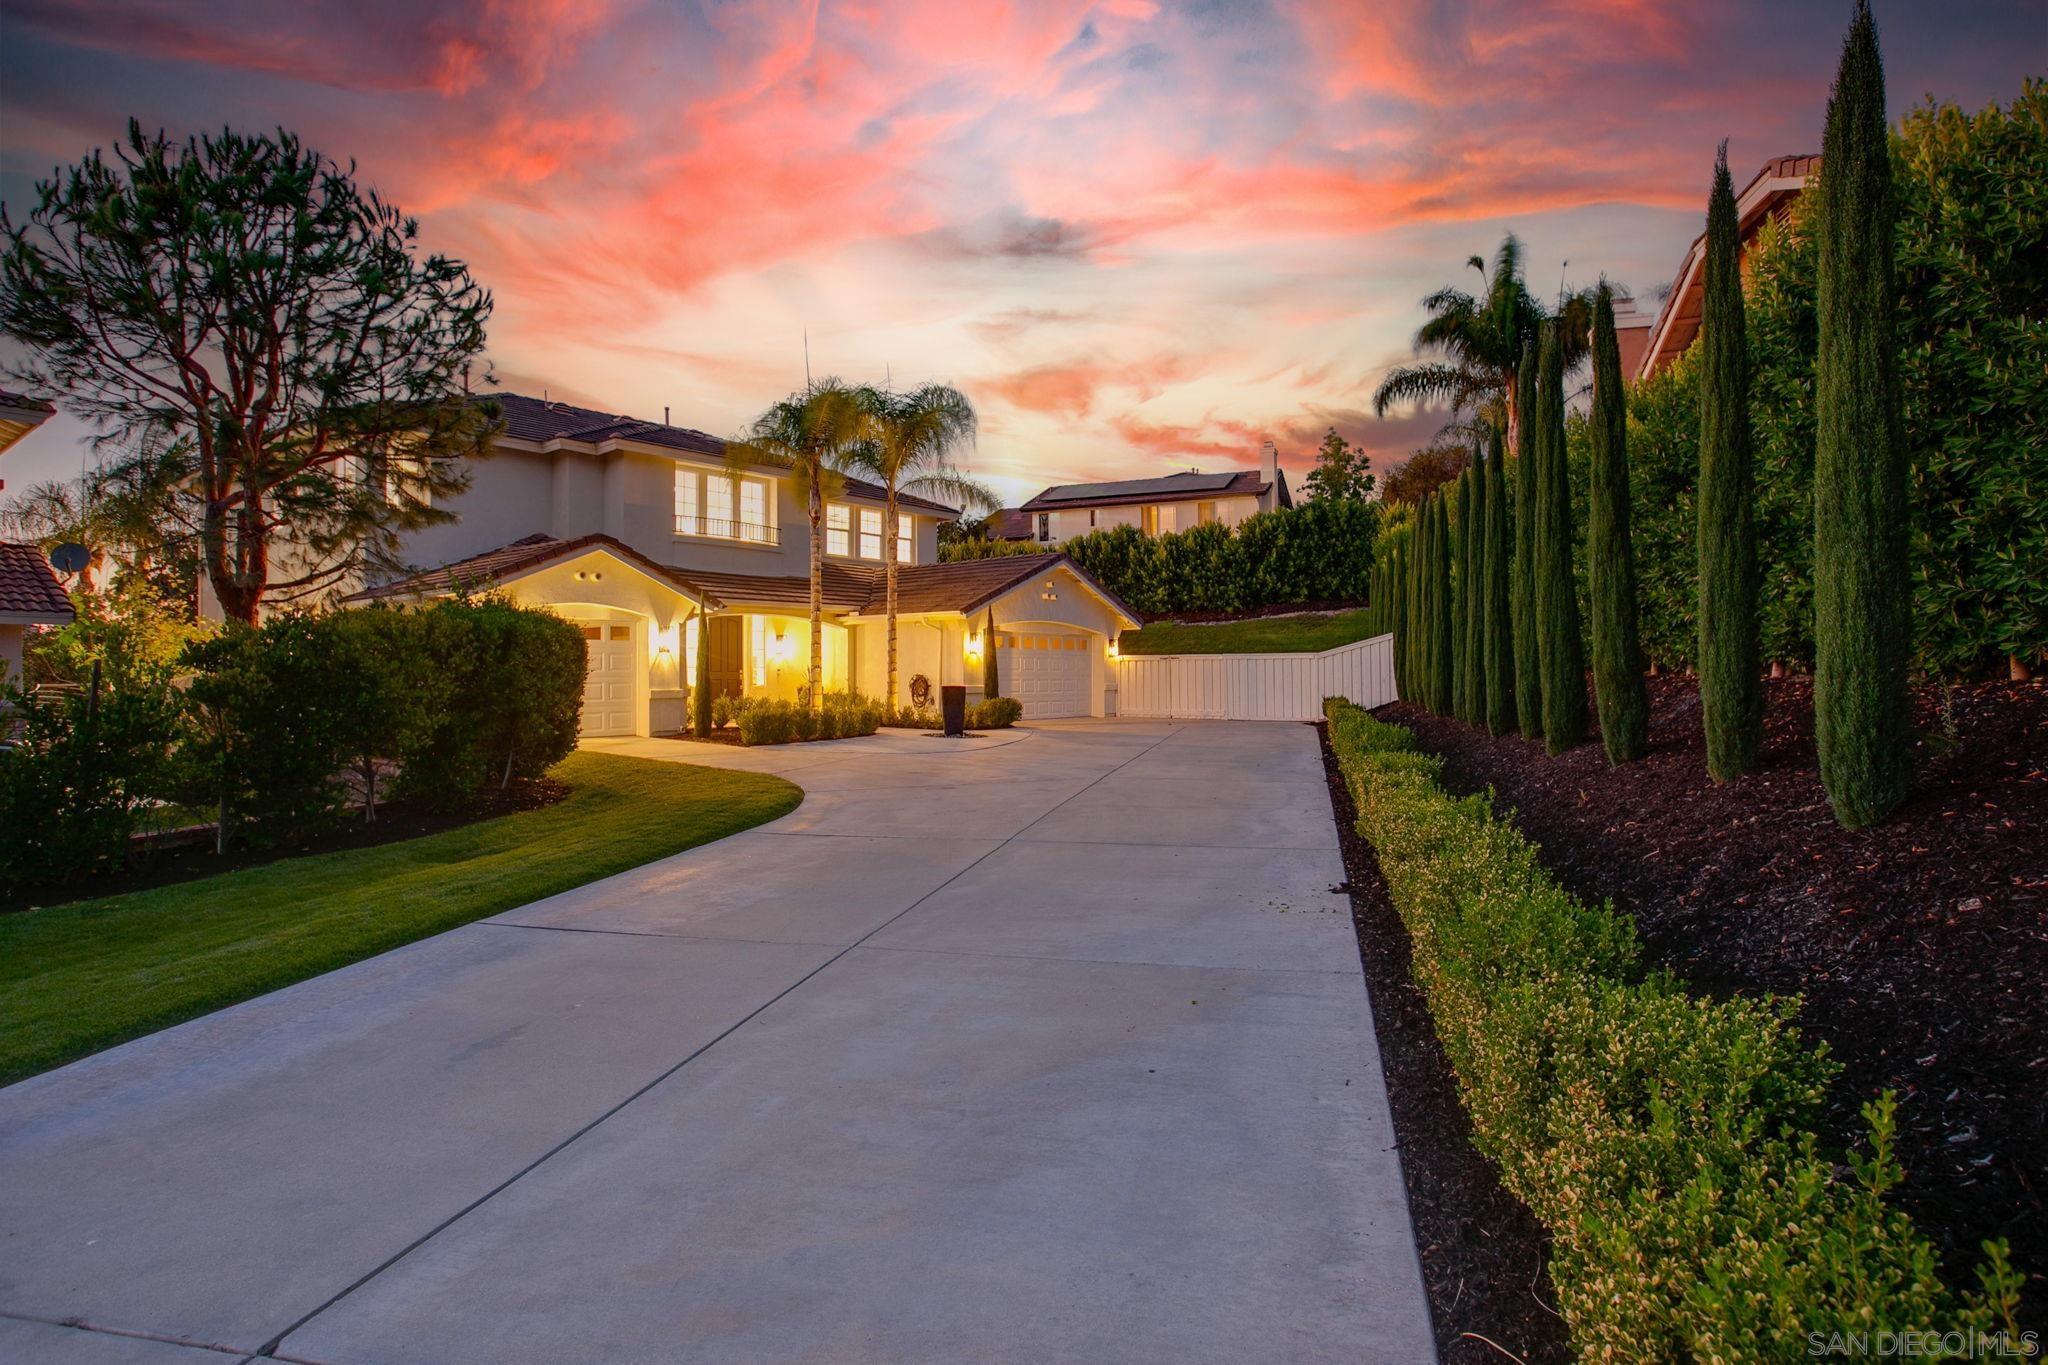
(965,586)
(528,552)
(1166,488)
(541,420)
(28,587)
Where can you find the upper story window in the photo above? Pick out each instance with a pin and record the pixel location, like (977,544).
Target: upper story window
(1044,526)
(723,507)
(1205,512)
(857,532)
(1151,518)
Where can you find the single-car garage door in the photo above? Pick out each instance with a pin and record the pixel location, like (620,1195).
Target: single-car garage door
(1048,672)
(608,680)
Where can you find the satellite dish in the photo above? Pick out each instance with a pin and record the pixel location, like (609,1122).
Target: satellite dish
(70,558)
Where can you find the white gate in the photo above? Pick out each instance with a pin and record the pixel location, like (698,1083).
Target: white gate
(1255,686)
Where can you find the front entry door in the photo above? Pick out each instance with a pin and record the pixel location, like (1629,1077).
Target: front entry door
(726,662)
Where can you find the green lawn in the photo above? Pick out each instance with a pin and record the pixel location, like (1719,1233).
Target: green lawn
(77,978)
(1255,635)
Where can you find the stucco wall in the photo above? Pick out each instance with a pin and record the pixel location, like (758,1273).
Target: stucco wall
(1173,516)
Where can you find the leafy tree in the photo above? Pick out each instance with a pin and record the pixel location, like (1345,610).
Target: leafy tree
(1560,650)
(1862,607)
(1424,473)
(1617,654)
(130,631)
(1342,470)
(1528,644)
(813,435)
(383,694)
(1497,642)
(907,447)
(1480,339)
(259,334)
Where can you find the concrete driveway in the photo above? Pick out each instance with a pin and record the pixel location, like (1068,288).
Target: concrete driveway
(1050,1045)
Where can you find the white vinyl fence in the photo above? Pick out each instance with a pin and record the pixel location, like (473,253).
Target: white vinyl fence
(1255,686)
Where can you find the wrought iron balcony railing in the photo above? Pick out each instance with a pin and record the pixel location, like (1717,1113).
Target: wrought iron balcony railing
(724,528)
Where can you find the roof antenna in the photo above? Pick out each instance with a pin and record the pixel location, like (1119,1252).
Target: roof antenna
(664,415)
(1560,284)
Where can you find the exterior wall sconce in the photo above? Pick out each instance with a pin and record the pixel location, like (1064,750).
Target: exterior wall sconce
(1109,651)
(974,645)
(782,650)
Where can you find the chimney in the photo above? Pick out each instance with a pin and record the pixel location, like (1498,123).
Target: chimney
(1269,462)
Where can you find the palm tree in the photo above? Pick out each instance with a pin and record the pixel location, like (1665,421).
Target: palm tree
(810,434)
(910,438)
(1480,339)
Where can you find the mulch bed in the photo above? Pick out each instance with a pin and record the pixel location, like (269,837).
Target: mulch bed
(1920,946)
(1483,1253)
(163,863)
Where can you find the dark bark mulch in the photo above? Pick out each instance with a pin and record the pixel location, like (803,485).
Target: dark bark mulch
(1483,1253)
(184,859)
(1920,946)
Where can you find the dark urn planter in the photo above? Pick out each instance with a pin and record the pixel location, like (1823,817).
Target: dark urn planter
(953,708)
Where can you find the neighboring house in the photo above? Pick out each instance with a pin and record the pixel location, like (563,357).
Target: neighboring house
(1171,502)
(1011,523)
(1766,198)
(640,534)
(30,594)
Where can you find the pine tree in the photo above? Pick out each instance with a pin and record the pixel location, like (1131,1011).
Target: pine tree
(1562,653)
(1617,652)
(1528,654)
(1475,592)
(1862,607)
(1442,679)
(1496,624)
(1730,649)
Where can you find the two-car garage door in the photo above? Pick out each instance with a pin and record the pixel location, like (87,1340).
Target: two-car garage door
(1049,673)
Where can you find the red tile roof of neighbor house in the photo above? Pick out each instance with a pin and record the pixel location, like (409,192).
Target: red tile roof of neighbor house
(542,420)
(1182,487)
(965,586)
(28,587)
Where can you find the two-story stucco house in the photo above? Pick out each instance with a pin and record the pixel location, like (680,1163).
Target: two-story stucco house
(642,535)
(1170,502)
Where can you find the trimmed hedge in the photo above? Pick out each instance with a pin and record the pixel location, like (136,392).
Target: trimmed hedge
(1665,1140)
(840,715)
(1318,551)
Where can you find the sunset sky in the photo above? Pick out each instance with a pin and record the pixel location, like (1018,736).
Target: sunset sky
(1138,235)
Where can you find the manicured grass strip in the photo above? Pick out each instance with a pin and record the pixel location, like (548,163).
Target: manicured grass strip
(1258,635)
(1665,1140)
(78,978)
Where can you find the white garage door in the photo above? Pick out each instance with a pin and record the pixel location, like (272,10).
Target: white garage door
(1049,673)
(608,681)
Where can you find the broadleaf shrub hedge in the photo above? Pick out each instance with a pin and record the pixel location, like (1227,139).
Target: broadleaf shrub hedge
(1317,551)
(277,731)
(1666,1141)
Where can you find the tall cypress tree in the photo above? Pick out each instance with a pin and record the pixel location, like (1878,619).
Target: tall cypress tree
(1528,654)
(1730,649)
(1461,612)
(1475,589)
(1862,607)
(1562,652)
(1398,622)
(1496,625)
(1617,650)
(1442,680)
